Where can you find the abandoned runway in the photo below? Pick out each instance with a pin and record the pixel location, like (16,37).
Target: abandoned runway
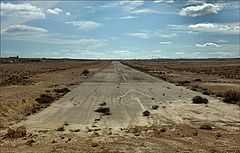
(127,93)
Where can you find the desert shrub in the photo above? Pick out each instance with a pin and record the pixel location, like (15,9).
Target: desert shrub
(182,83)
(198,80)
(62,90)
(199,100)
(206,93)
(146,113)
(231,96)
(219,94)
(85,72)
(60,129)
(155,106)
(104,110)
(44,98)
(206,127)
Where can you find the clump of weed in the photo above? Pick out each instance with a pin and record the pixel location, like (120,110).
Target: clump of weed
(155,107)
(198,80)
(146,113)
(206,127)
(45,98)
(85,72)
(206,93)
(61,128)
(62,90)
(103,109)
(199,100)
(231,96)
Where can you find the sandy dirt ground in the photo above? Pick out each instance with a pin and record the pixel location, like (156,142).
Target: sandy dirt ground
(213,77)
(70,124)
(17,98)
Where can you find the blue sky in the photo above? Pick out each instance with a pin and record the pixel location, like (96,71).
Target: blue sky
(120,29)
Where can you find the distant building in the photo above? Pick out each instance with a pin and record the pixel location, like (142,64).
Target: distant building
(14,57)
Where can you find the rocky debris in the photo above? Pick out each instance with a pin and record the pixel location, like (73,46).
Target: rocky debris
(104,110)
(69,139)
(97,119)
(155,107)
(103,104)
(163,130)
(199,100)
(206,127)
(30,142)
(54,141)
(146,113)
(94,144)
(17,132)
(75,130)
(60,129)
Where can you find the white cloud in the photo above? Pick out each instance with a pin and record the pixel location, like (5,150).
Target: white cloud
(149,34)
(179,53)
(55,11)
(142,11)
(68,14)
(165,42)
(24,10)
(113,38)
(166,35)
(84,25)
(207,45)
(15,29)
(163,1)
(130,5)
(128,17)
(222,41)
(156,51)
(227,28)
(86,43)
(205,8)
(124,54)
(92,54)
(220,28)
(140,35)
(201,25)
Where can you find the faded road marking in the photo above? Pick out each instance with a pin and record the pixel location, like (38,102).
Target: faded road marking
(126,93)
(140,104)
(124,78)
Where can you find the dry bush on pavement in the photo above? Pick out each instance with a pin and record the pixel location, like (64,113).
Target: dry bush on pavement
(231,96)
(199,100)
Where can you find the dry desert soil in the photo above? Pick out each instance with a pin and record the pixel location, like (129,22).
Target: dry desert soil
(127,106)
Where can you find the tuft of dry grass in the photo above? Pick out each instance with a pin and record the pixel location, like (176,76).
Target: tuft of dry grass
(85,72)
(231,96)
(45,98)
(199,100)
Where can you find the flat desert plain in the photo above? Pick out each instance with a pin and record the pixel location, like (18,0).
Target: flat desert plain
(120,106)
